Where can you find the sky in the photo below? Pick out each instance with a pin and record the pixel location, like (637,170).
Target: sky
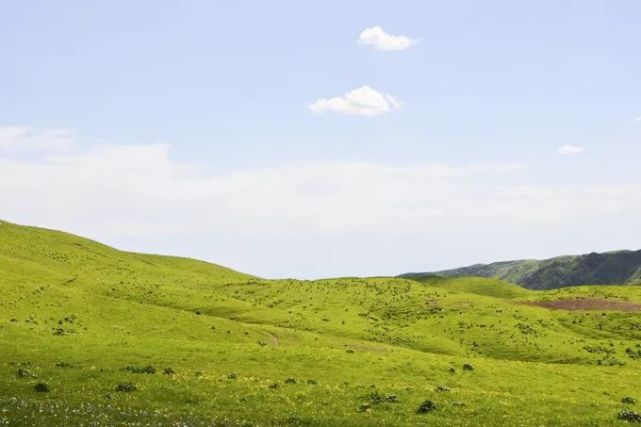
(319,139)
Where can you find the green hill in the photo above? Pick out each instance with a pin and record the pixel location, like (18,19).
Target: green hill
(610,268)
(94,336)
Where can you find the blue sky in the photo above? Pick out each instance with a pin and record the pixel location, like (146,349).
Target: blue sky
(185,128)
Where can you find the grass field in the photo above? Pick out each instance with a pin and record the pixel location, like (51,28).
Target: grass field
(94,336)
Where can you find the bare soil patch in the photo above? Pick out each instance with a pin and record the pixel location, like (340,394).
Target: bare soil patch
(588,304)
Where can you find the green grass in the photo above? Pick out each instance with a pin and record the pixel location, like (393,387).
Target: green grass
(347,343)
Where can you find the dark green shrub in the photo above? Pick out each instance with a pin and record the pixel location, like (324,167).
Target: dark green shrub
(41,388)
(392,398)
(365,407)
(630,416)
(126,387)
(141,370)
(427,406)
(24,373)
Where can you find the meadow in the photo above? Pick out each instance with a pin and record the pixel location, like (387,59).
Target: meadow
(90,335)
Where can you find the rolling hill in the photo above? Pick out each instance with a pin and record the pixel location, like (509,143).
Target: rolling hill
(95,336)
(610,268)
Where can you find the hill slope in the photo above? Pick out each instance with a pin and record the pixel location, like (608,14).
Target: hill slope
(128,339)
(610,268)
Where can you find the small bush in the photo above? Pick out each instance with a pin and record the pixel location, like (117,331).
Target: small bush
(630,416)
(41,388)
(442,389)
(232,376)
(427,406)
(628,400)
(126,387)
(290,381)
(365,407)
(141,370)
(633,354)
(468,367)
(392,398)
(168,371)
(24,373)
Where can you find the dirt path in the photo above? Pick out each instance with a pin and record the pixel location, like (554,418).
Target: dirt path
(588,304)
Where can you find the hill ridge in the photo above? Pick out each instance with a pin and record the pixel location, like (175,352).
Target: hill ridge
(619,267)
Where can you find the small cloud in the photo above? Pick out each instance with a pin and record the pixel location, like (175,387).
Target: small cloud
(638,120)
(570,150)
(22,138)
(363,101)
(379,39)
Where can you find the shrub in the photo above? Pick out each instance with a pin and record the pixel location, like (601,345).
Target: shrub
(365,407)
(141,370)
(232,376)
(41,388)
(442,389)
(126,387)
(427,406)
(468,367)
(168,371)
(24,373)
(392,398)
(628,400)
(630,416)
(633,354)
(290,381)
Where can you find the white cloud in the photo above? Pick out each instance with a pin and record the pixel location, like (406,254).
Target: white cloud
(363,101)
(314,219)
(379,39)
(570,150)
(637,120)
(23,139)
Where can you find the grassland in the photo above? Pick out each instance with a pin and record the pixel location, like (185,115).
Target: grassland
(95,336)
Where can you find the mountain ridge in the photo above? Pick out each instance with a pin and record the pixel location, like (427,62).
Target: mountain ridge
(620,267)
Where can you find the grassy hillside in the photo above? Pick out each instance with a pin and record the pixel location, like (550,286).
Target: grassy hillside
(91,335)
(611,268)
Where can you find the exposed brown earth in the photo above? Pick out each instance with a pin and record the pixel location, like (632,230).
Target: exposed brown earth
(588,304)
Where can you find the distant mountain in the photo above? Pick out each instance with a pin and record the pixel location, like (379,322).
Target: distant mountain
(610,268)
